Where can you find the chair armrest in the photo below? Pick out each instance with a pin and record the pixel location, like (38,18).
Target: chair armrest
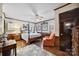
(46,37)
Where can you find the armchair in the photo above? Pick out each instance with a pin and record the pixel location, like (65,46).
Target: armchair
(52,44)
(49,40)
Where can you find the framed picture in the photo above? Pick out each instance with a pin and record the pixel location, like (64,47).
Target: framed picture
(25,27)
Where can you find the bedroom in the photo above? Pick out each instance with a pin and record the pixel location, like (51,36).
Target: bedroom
(28,24)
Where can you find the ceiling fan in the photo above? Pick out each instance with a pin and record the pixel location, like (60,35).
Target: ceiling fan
(35,12)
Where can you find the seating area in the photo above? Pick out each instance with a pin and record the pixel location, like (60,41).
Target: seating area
(52,44)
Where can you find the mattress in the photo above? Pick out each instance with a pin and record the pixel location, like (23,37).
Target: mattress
(33,35)
(24,36)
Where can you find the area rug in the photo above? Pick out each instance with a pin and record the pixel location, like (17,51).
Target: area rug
(33,50)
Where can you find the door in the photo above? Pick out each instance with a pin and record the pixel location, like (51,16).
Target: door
(67,21)
(62,36)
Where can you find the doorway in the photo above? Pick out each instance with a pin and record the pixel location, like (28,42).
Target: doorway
(66,35)
(67,20)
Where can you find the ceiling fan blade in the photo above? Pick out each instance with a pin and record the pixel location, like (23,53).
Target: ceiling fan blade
(33,9)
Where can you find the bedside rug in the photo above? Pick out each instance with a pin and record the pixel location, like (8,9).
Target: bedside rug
(33,50)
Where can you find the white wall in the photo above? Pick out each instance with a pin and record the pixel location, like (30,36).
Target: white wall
(14,26)
(1,21)
(0,25)
(0,9)
(51,26)
(64,9)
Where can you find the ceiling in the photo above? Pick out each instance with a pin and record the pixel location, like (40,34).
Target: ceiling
(29,11)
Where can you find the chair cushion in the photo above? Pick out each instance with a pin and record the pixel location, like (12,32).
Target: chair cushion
(48,42)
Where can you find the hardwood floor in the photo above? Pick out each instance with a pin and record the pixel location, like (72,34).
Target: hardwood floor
(56,52)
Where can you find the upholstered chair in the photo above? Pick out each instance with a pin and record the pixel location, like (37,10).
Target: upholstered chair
(49,40)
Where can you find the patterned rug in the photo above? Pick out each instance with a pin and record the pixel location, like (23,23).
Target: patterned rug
(33,50)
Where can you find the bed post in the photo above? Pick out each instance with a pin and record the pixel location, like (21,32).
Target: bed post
(28,35)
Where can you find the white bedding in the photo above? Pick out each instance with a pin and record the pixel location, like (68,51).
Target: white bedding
(32,35)
(24,36)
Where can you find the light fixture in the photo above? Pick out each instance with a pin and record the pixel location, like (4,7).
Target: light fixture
(39,17)
(67,24)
